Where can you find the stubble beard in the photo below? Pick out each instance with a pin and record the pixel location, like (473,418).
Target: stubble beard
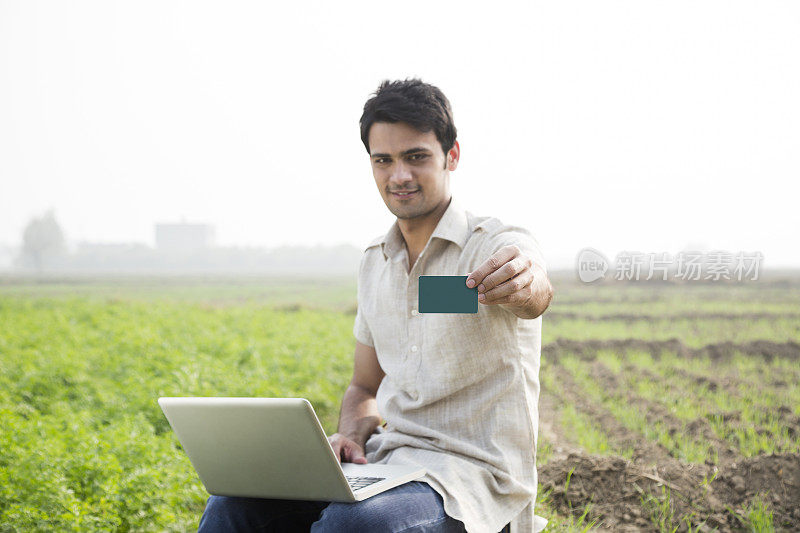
(408,212)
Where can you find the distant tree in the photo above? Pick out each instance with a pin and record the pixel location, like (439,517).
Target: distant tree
(42,242)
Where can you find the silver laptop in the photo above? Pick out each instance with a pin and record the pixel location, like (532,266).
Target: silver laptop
(272,448)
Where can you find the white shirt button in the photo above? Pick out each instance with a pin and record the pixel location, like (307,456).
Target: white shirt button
(414,348)
(414,312)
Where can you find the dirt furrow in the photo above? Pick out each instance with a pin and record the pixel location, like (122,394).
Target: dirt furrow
(633,317)
(587,349)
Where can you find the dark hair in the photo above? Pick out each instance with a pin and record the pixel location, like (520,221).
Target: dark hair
(418,104)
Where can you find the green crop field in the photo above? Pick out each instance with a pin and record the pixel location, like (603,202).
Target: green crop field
(663,408)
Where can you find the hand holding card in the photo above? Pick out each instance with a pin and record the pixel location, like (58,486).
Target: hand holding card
(505,278)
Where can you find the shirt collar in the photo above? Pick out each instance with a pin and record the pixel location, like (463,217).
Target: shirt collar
(452,227)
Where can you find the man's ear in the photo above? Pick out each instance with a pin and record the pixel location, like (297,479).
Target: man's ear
(452,157)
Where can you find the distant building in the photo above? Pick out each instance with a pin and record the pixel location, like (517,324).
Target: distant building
(181,237)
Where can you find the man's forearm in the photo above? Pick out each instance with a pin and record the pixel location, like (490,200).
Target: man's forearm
(359,415)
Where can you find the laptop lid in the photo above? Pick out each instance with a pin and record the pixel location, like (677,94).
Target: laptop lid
(258,447)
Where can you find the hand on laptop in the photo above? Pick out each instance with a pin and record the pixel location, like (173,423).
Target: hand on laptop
(347,450)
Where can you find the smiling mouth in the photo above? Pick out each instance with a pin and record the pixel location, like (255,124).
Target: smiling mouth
(404,194)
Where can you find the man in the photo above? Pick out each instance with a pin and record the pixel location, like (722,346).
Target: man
(458,393)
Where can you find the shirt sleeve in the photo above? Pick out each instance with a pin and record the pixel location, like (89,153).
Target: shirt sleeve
(361,328)
(524,239)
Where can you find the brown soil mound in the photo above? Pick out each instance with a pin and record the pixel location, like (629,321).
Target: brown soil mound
(634,317)
(624,496)
(723,350)
(766,349)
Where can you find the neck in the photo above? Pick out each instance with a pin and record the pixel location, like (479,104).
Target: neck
(417,231)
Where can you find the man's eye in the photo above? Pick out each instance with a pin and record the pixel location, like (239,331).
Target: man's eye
(417,157)
(381,160)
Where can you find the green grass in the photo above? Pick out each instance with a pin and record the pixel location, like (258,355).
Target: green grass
(759,516)
(84,445)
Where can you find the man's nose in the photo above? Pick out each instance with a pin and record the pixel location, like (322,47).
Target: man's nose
(400,173)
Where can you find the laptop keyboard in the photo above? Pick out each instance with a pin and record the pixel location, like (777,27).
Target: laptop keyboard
(359,482)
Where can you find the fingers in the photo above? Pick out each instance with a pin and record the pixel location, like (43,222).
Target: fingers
(336,445)
(497,260)
(347,450)
(358,458)
(516,290)
(355,455)
(352,453)
(512,268)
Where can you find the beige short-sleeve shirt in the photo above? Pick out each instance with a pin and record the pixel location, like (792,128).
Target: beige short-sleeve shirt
(460,395)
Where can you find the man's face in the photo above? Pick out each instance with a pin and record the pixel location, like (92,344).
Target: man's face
(407,160)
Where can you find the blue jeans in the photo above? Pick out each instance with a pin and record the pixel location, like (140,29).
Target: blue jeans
(411,507)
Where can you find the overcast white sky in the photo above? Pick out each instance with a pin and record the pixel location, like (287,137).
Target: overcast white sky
(648,126)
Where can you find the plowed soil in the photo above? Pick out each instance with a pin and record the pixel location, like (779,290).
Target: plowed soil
(618,490)
(631,495)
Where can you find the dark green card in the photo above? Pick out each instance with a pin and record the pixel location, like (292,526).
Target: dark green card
(446,294)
